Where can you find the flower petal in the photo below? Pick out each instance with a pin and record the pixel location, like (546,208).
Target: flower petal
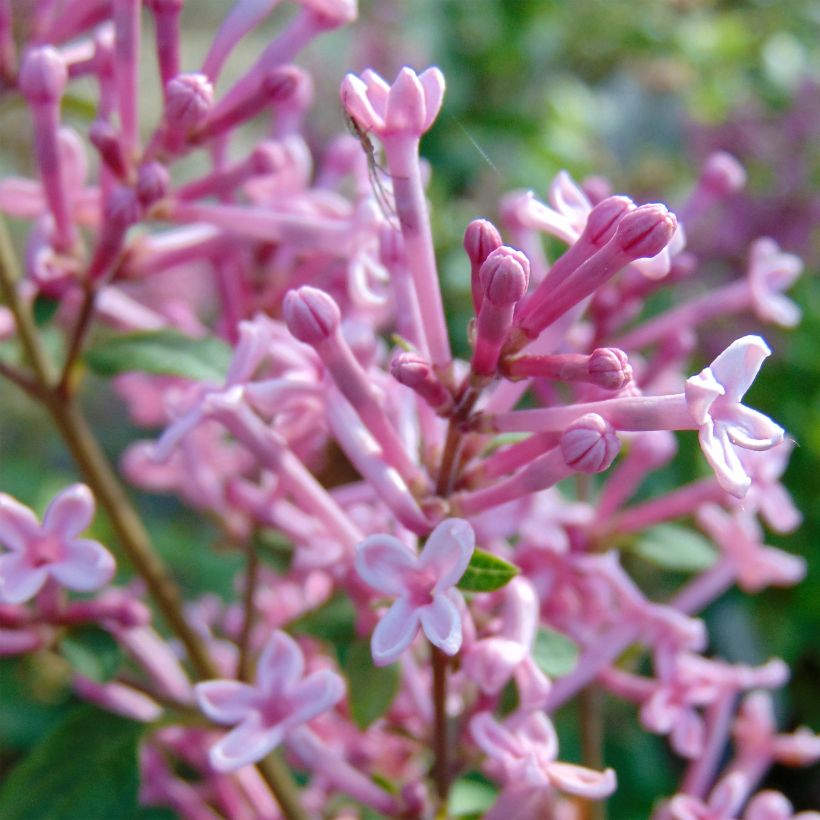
(315,694)
(70,512)
(719,452)
(494,739)
(281,664)
(383,562)
(582,781)
(752,429)
(18,524)
(736,367)
(394,632)
(86,566)
(448,551)
(441,623)
(248,743)
(19,581)
(225,701)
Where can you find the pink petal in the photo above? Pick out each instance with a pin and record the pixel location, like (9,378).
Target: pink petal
(281,664)
(432,81)
(582,781)
(87,566)
(490,663)
(248,743)
(18,524)
(778,509)
(736,367)
(729,794)
(358,106)
(315,694)
(769,805)
(405,110)
(441,623)
(448,551)
(19,581)
(70,512)
(687,734)
(752,429)
(719,452)
(384,562)
(394,632)
(377,90)
(225,701)
(494,740)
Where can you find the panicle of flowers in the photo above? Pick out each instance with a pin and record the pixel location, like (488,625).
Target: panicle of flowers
(283,325)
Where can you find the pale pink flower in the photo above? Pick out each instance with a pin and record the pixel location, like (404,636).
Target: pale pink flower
(282,699)
(52,549)
(724,802)
(423,584)
(714,397)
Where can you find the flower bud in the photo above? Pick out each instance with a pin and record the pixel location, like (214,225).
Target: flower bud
(43,76)
(504,276)
(105,139)
(311,315)
(189,98)
(646,231)
(722,174)
(153,182)
(416,373)
(604,218)
(480,239)
(589,445)
(122,209)
(609,368)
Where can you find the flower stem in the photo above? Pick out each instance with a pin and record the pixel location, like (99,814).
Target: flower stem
(592,741)
(440,740)
(251,578)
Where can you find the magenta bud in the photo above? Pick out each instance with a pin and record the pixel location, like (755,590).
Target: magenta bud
(311,315)
(43,75)
(722,174)
(188,101)
(122,209)
(596,188)
(414,372)
(267,157)
(282,83)
(164,6)
(480,239)
(589,445)
(609,368)
(504,276)
(604,218)
(153,183)
(105,139)
(646,231)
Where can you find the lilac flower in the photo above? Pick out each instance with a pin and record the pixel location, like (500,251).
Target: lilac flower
(423,584)
(282,699)
(52,549)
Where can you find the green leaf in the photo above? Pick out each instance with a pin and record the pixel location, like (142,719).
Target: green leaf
(162,352)
(471,795)
(487,572)
(43,309)
(86,767)
(371,688)
(670,546)
(554,653)
(333,621)
(92,652)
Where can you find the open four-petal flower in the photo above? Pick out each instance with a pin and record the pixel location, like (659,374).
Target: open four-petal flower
(281,700)
(423,585)
(52,549)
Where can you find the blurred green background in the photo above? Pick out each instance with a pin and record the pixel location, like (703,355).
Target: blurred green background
(638,92)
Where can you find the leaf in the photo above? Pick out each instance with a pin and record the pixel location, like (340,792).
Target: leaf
(333,621)
(487,572)
(470,795)
(371,688)
(161,352)
(86,767)
(673,547)
(554,653)
(92,652)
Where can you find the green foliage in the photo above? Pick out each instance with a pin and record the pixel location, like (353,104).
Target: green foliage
(163,353)
(86,767)
(673,547)
(487,572)
(371,688)
(471,795)
(92,652)
(334,621)
(554,653)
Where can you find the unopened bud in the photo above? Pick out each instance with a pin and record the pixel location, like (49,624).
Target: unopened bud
(722,174)
(311,315)
(122,209)
(153,182)
(604,218)
(589,445)
(188,101)
(282,83)
(105,139)
(416,373)
(480,239)
(609,368)
(43,76)
(646,231)
(504,276)
(267,157)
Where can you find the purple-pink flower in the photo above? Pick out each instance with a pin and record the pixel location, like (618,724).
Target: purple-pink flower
(282,699)
(423,585)
(52,549)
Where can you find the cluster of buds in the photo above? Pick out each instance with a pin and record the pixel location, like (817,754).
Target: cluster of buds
(409,489)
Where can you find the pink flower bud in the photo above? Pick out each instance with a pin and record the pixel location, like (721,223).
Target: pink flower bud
(504,276)
(267,157)
(604,218)
(609,368)
(163,6)
(590,444)
(122,209)
(646,231)
(105,139)
(722,174)
(312,316)
(416,373)
(153,182)
(43,76)
(480,239)
(189,98)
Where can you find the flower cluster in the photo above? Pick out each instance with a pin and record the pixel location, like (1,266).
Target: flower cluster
(275,317)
